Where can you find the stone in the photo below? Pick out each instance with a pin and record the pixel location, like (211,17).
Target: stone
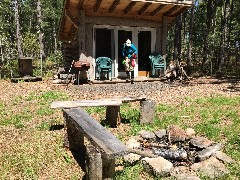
(147,134)
(157,166)
(206,153)
(200,142)
(131,158)
(211,167)
(186,177)
(177,134)
(160,133)
(223,157)
(57,81)
(147,111)
(132,143)
(190,132)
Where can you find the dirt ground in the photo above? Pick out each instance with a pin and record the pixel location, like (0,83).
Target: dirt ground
(170,93)
(175,92)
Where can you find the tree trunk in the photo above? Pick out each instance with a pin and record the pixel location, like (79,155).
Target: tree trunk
(210,15)
(40,36)
(18,33)
(224,28)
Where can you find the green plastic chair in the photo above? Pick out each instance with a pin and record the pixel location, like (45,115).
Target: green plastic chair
(158,63)
(104,66)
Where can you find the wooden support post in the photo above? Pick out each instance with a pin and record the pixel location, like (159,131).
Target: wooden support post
(108,167)
(147,111)
(74,137)
(164,35)
(93,164)
(81,32)
(113,116)
(158,39)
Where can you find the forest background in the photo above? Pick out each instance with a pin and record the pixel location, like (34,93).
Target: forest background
(206,36)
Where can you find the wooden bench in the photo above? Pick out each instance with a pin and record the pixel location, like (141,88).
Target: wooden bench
(103,148)
(113,116)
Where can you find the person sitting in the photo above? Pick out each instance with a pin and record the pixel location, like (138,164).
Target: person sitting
(171,71)
(129,52)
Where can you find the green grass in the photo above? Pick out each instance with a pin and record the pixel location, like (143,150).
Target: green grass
(29,149)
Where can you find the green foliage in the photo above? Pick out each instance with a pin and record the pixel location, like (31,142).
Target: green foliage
(30,45)
(129,173)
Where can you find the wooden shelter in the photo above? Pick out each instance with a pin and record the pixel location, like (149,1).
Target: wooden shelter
(98,28)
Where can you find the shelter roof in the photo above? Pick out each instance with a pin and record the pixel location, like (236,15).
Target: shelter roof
(150,10)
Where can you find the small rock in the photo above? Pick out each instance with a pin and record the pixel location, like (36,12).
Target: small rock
(186,177)
(133,143)
(183,172)
(157,166)
(200,142)
(146,134)
(119,168)
(160,133)
(223,157)
(57,81)
(206,153)
(190,132)
(131,158)
(210,167)
(177,134)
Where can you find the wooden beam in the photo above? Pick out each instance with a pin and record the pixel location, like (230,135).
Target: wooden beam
(144,8)
(81,32)
(67,4)
(158,9)
(97,5)
(129,7)
(71,18)
(98,135)
(177,2)
(80,4)
(164,34)
(170,11)
(114,5)
(179,12)
(86,103)
(71,30)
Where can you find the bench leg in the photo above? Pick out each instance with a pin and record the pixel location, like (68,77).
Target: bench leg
(93,164)
(113,117)
(74,137)
(108,167)
(98,166)
(147,111)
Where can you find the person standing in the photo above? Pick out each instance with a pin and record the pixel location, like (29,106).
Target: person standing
(129,53)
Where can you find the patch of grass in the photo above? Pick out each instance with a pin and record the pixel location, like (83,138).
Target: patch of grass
(130,173)
(45,111)
(17,120)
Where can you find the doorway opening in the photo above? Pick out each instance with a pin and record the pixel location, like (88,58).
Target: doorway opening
(123,35)
(144,50)
(104,46)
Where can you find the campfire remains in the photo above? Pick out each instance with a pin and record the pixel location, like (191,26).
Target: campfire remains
(178,153)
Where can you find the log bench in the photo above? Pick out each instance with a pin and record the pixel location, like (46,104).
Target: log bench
(113,116)
(103,148)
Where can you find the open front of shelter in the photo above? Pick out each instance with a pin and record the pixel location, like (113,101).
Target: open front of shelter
(90,29)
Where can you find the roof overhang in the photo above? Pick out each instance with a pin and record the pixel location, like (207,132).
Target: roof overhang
(148,10)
